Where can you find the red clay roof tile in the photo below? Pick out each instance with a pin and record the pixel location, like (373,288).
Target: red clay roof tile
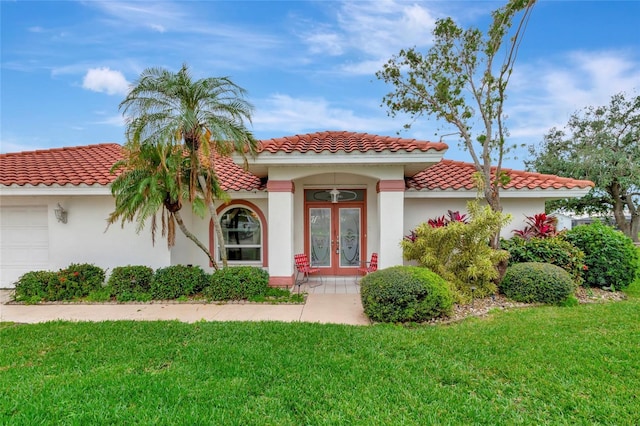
(449,174)
(335,141)
(73,165)
(91,164)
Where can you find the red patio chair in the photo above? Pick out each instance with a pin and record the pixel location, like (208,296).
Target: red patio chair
(370,266)
(304,270)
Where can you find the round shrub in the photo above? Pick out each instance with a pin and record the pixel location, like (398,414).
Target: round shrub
(610,256)
(404,294)
(32,286)
(534,282)
(77,280)
(176,281)
(130,282)
(554,250)
(237,283)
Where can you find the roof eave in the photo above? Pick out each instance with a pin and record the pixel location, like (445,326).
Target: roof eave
(412,161)
(55,189)
(547,194)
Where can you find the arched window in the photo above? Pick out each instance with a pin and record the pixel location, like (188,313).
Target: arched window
(242,232)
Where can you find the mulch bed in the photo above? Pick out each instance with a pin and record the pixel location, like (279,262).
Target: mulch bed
(481,307)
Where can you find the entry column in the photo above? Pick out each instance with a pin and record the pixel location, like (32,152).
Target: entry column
(281,232)
(391,220)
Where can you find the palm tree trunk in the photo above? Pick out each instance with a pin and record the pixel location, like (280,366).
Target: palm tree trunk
(193,238)
(216,220)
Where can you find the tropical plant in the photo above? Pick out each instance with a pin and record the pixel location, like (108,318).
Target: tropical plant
(204,117)
(457,81)
(151,179)
(599,144)
(452,216)
(460,252)
(540,225)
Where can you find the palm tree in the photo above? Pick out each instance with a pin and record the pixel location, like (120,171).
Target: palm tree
(151,179)
(201,116)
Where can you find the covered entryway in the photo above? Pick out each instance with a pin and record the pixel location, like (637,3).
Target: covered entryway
(24,242)
(334,237)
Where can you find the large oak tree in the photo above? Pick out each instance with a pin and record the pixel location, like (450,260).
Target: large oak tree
(601,144)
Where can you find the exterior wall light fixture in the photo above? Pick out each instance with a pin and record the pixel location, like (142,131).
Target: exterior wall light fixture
(61,214)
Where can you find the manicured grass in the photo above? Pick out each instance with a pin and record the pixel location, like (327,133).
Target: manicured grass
(546,365)
(634,288)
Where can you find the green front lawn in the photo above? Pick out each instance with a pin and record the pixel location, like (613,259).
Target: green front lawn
(546,365)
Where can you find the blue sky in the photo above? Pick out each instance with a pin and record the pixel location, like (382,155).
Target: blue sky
(307,66)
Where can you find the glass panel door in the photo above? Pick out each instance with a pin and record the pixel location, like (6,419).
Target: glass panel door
(320,236)
(349,237)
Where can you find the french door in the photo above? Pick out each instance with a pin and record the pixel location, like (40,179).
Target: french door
(334,237)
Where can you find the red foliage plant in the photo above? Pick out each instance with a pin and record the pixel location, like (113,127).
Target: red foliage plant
(540,225)
(439,222)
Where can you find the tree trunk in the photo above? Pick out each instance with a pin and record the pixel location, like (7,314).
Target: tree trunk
(492,195)
(193,238)
(635,227)
(216,220)
(618,211)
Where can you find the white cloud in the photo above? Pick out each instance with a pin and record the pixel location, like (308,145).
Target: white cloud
(105,80)
(157,16)
(374,30)
(288,115)
(548,93)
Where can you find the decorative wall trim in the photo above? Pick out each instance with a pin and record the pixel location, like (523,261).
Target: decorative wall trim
(280,186)
(263,223)
(390,186)
(281,281)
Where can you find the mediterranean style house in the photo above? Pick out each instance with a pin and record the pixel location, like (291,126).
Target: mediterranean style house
(337,196)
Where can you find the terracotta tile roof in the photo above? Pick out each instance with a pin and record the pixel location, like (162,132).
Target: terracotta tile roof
(334,141)
(91,164)
(73,165)
(449,174)
(235,178)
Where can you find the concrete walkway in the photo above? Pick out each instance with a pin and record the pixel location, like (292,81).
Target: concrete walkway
(321,308)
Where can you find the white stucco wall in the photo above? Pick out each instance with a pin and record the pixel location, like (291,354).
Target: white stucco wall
(83,238)
(418,210)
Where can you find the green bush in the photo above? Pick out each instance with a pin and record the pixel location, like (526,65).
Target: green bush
(75,281)
(459,252)
(554,250)
(534,282)
(131,282)
(610,256)
(237,283)
(177,280)
(32,286)
(404,294)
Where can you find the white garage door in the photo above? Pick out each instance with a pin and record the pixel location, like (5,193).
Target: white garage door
(24,242)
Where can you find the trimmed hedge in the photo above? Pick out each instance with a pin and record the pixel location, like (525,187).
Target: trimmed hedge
(237,283)
(175,281)
(554,250)
(404,294)
(131,282)
(534,282)
(75,281)
(610,256)
(32,286)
